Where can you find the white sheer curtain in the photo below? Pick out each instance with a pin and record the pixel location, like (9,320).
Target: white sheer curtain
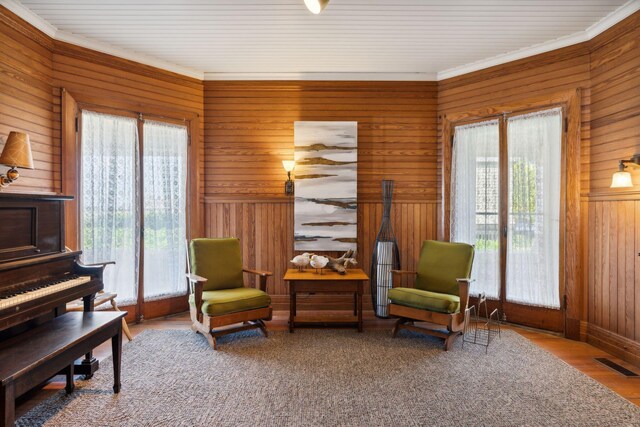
(108,217)
(475,200)
(165,209)
(534,145)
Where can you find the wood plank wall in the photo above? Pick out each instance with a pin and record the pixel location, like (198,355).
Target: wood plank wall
(95,78)
(615,101)
(249,130)
(26,100)
(614,215)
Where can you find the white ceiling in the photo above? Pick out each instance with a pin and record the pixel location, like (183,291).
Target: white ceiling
(280,38)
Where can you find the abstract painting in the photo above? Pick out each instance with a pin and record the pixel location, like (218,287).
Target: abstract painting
(326,186)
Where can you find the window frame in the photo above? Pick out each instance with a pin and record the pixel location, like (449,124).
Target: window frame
(71,114)
(571,280)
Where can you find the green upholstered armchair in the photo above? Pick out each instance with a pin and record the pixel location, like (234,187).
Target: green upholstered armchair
(218,296)
(440,293)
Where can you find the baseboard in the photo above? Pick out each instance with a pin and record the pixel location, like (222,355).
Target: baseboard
(583,330)
(624,348)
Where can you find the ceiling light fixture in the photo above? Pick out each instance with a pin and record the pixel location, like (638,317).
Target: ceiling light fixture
(316,6)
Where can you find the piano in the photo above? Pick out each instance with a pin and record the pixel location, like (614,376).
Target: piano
(38,274)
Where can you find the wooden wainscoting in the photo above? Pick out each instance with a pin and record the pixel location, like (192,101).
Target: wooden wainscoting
(614,267)
(265,228)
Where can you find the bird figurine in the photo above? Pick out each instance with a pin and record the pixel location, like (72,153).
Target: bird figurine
(319,262)
(301,261)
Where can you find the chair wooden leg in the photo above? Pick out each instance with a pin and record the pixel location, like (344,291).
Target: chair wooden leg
(212,341)
(448,342)
(263,328)
(125,329)
(396,326)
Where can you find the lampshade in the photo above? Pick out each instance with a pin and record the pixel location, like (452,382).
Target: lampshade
(288,165)
(17,151)
(316,6)
(621,180)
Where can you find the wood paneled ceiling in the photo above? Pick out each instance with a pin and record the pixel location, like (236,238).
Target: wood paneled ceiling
(251,37)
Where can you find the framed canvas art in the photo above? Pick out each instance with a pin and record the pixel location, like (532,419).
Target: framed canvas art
(326,186)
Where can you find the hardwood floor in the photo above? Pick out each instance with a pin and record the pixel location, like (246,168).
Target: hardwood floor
(580,355)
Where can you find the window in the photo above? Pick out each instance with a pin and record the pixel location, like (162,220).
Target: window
(533,238)
(165,209)
(475,200)
(505,198)
(108,216)
(133,204)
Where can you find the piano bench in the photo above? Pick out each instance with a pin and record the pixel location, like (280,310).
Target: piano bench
(102,297)
(30,358)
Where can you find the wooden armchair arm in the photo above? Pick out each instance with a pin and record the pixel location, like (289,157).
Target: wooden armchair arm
(194,278)
(463,292)
(263,277)
(258,272)
(197,286)
(396,276)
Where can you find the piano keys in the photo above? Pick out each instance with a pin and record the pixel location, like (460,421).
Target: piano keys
(15,300)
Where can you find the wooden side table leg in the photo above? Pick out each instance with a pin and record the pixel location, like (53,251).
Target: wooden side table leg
(359,307)
(292,305)
(355,303)
(70,386)
(116,351)
(8,405)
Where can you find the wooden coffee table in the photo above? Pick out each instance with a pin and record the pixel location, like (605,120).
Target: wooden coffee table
(308,281)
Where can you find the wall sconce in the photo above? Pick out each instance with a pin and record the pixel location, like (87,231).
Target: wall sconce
(622,179)
(289,166)
(15,154)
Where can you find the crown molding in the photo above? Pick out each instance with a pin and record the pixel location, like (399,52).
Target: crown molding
(323,76)
(29,16)
(108,49)
(623,12)
(514,56)
(56,34)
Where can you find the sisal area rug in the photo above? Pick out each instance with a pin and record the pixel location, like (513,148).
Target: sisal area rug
(334,378)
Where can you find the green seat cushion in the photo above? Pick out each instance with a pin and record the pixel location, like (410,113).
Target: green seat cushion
(226,301)
(425,300)
(441,263)
(217,260)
